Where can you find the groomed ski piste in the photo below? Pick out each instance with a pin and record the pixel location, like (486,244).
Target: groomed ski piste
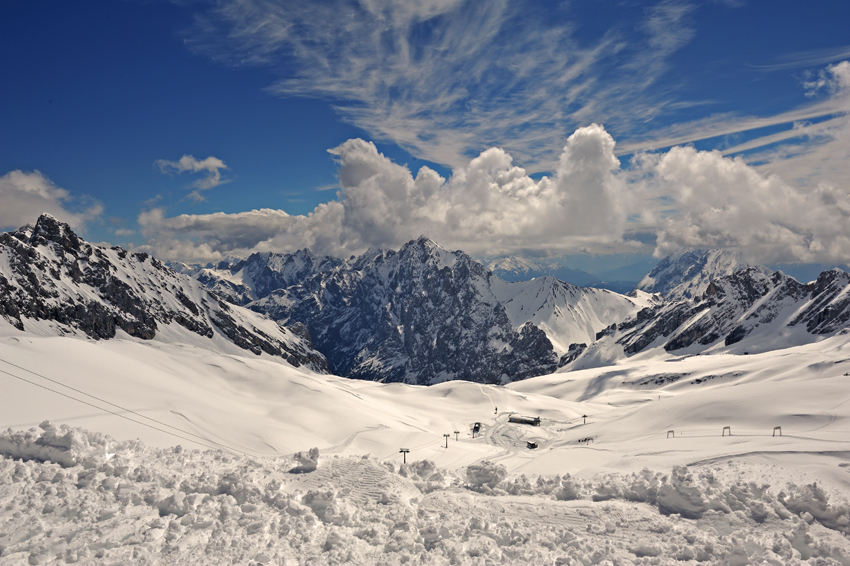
(164,452)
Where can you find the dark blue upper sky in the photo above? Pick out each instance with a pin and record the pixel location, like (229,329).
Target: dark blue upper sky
(103,98)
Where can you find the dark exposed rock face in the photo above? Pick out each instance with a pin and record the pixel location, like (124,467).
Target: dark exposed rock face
(734,305)
(419,315)
(574,351)
(829,308)
(50,274)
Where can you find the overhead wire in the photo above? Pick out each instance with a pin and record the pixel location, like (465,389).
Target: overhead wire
(198,439)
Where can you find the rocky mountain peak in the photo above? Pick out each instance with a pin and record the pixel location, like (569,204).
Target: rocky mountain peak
(48,229)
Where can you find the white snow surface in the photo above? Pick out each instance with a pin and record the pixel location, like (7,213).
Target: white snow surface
(566,313)
(650,478)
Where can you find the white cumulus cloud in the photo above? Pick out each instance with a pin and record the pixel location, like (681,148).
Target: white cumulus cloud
(662,201)
(26,195)
(489,206)
(212,166)
(703,199)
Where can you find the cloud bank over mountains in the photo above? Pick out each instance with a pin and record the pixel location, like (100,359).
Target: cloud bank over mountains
(660,202)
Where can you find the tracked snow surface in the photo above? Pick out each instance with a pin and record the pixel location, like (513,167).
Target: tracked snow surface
(281,465)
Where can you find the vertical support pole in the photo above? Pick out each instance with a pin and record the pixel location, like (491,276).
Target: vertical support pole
(456,433)
(447,439)
(725,428)
(404,452)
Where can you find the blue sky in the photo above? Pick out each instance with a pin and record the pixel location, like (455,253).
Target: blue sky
(199,130)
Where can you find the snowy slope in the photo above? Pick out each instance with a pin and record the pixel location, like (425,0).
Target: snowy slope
(619,487)
(53,282)
(566,313)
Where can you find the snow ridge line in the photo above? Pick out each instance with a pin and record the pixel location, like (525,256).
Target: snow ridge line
(205,440)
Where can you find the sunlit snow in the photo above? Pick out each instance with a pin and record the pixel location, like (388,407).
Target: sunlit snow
(649,479)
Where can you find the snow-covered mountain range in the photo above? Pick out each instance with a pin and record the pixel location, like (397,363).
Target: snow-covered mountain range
(419,315)
(422,314)
(714,301)
(52,282)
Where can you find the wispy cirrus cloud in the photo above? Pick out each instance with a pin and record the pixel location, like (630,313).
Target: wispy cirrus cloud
(445,79)
(807,59)
(212,166)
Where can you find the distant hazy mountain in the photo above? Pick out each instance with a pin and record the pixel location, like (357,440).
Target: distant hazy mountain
(515,268)
(632,272)
(688,272)
(243,281)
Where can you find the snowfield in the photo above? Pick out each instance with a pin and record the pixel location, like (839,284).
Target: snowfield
(633,465)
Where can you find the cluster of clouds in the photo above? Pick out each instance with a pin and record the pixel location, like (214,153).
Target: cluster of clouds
(660,202)
(489,90)
(449,79)
(211,166)
(491,206)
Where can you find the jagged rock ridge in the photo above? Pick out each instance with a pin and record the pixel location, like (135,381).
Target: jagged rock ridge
(733,305)
(424,314)
(49,274)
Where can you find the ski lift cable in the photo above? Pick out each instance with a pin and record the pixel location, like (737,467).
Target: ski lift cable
(206,441)
(104,401)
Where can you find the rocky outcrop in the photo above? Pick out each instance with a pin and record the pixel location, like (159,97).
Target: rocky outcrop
(733,306)
(419,315)
(48,273)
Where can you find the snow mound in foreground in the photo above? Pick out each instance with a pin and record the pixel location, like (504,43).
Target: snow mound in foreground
(68,495)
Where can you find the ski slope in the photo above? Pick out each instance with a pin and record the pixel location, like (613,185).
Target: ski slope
(633,493)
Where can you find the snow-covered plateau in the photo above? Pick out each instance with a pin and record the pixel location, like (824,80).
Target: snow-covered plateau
(632,465)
